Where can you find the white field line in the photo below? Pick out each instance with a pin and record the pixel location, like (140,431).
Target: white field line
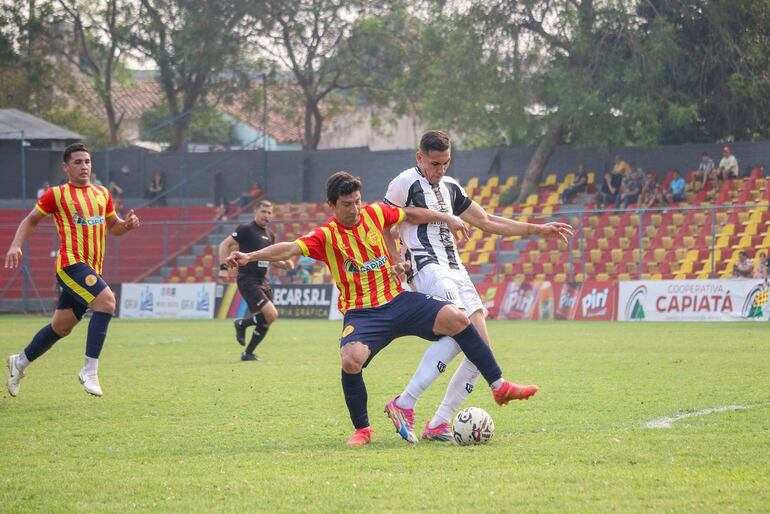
(668,422)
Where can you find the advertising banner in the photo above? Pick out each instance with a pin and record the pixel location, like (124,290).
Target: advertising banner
(303,300)
(585,301)
(167,300)
(693,300)
(527,301)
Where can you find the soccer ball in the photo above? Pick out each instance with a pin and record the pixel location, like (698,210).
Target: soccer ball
(473,426)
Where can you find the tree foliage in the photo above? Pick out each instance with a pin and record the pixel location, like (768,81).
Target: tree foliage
(200,49)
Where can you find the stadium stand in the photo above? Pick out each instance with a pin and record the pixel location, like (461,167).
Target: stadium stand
(165,233)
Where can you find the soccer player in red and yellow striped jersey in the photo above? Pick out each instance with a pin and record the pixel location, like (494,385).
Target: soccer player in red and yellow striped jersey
(376,308)
(83,214)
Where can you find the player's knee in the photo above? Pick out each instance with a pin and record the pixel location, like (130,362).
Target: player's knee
(105,302)
(62,329)
(452,321)
(271,316)
(353,356)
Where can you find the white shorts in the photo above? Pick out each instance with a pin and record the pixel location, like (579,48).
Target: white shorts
(453,284)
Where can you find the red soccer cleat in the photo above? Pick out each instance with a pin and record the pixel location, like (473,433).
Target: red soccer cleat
(361,437)
(509,391)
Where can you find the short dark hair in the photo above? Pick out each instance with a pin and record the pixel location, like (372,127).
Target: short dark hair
(341,183)
(74,147)
(263,203)
(436,140)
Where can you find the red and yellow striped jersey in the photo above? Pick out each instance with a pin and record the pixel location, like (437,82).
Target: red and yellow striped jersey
(357,257)
(80,214)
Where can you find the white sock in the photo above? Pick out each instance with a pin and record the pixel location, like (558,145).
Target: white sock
(21,361)
(457,391)
(91,365)
(433,363)
(497,384)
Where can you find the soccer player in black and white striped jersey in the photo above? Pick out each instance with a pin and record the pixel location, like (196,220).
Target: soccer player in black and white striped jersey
(436,269)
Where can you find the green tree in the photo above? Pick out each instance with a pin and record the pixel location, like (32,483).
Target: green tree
(207,126)
(98,48)
(309,38)
(199,47)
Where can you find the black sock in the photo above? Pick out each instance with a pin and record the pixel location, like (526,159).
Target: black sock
(477,351)
(246,322)
(97,332)
(41,343)
(355,397)
(260,331)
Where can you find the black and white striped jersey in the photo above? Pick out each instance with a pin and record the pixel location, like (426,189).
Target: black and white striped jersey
(430,242)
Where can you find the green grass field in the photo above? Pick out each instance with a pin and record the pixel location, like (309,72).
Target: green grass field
(184,426)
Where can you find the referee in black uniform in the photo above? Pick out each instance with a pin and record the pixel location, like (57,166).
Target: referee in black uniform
(252,278)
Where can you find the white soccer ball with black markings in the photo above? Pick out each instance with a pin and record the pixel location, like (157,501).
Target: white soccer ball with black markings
(473,426)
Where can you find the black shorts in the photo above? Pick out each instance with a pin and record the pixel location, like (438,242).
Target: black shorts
(255,292)
(408,314)
(80,284)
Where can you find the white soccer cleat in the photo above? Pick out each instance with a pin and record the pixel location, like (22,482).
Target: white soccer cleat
(14,375)
(90,382)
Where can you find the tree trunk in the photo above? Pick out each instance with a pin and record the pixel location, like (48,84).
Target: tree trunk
(540,158)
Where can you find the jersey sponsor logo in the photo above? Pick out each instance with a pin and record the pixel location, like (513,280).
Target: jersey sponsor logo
(93,220)
(469,387)
(348,330)
(234,234)
(265,237)
(352,266)
(91,280)
(441,367)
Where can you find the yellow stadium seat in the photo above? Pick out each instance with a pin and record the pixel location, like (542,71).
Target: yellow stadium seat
(489,245)
(473,182)
(624,276)
(624,243)
(614,220)
(602,277)
(603,243)
(560,277)
(511,181)
(611,268)
(548,268)
(493,181)
(532,200)
(616,255)
(553,199)
(550,180)
(650,230)
(589,268)
(568,178)
(596,255)
(534,255)
(609,232)
(591,177)
(526,212)
(727,230)
(580,277)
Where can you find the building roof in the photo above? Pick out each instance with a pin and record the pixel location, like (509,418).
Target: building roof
(134,99)
(12,121)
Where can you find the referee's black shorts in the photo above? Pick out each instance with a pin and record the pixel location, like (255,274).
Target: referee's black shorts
(255,291)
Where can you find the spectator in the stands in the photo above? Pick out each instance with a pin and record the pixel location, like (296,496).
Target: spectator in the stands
(621,166)
(728,166)
(578,184)
(651,192)
(247,197)
(220,198)
(676,190)
(610,190)
(705,170)
(762,266)
(632,186)
(155,191)
(117,197)
(95,180)
(744,268)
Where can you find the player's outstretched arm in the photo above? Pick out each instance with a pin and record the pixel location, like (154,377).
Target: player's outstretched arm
(14,256)
(273,253)
(118,226)
(420,216)
(489,223)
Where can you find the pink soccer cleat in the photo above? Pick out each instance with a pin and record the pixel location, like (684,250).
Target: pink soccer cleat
(509,391)
(441,433)
(403,420)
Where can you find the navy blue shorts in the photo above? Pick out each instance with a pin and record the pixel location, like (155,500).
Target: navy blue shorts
(408,314)
(80,284)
